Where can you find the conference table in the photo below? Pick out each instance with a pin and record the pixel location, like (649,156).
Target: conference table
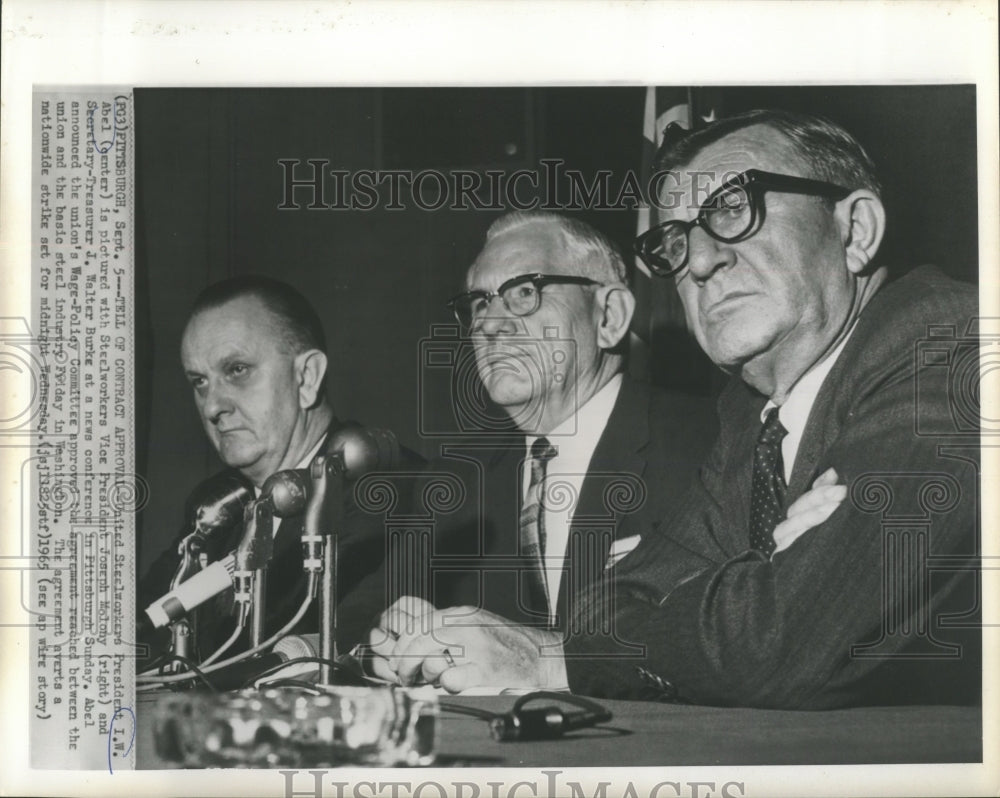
(650,734)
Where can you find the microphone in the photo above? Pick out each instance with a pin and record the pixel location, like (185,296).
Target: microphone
(351,452)
(283,494)
(288,648)
(364,450)
(286,491)
(193,592)
(220,503)
(358,451)
(296,646)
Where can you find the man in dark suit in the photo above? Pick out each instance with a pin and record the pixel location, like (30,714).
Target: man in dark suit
(641,466)
(770,225)
(254,352)
(548,310)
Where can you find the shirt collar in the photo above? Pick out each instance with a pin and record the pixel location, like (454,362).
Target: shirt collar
(794,413)
(576,438)
(307,460)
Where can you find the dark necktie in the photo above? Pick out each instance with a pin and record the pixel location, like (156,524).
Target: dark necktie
(532,521)
(767,492)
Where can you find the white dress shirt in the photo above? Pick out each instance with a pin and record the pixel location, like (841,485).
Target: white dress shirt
(794,413)
(575,440)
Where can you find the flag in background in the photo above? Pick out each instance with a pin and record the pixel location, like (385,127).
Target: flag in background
(664,106)
(658,325)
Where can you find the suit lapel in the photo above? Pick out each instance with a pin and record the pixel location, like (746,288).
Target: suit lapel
(739,415)
(822,425)
(619,454)
(619,451)
(811,447)
(743,476)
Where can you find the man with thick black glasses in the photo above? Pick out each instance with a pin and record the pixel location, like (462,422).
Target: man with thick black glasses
(853,403)
(598,460)
(772,246)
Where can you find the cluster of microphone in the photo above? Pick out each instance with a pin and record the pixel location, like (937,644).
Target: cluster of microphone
(316,493)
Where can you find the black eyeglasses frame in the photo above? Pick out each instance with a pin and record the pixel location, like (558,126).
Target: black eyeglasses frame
(757,183)
(538,279)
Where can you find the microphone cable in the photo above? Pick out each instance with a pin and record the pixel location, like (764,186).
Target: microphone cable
(225,646)
(154,670)
(164,659)
(182,677)
(543,723)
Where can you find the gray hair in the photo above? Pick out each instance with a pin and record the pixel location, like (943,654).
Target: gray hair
(828,151)
(593,254)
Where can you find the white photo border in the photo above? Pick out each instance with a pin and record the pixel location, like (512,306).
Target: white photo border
(513,43)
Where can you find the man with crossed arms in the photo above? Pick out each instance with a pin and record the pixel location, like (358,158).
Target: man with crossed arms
(771,231)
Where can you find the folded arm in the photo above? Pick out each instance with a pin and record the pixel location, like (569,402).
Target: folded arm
(734,627)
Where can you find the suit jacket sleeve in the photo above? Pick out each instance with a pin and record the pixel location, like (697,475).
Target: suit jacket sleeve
(723,624)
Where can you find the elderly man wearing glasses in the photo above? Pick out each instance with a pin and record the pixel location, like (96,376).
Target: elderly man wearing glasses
(596,458)
(770,227)
(838,374)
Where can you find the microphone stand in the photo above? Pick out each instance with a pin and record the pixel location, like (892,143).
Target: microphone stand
(323,519)
(182,635)
(252,558)
(184,630)
(220,501)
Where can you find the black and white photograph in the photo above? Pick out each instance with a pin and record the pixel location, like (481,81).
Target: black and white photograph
(608,435)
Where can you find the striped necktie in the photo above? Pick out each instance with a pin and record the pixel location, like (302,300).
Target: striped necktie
(532,523)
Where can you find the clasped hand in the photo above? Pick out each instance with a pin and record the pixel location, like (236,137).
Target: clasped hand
(460,648)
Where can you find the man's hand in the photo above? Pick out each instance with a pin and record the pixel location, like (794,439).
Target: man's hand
(463,647)
(811,509)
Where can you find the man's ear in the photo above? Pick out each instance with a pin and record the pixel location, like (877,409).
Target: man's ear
(616,305)
(861,218)
(310,369)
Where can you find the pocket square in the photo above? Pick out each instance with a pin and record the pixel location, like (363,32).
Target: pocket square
(620,548)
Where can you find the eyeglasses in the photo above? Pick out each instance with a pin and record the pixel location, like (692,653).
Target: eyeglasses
(521,295)
(733,212)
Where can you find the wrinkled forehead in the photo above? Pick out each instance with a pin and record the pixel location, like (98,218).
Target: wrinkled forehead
(533,247)
(687,186)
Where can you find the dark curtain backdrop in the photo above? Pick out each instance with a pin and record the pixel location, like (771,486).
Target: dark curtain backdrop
(209,184)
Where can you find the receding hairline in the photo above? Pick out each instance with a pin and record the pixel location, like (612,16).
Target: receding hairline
(288,342)
(574,237)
